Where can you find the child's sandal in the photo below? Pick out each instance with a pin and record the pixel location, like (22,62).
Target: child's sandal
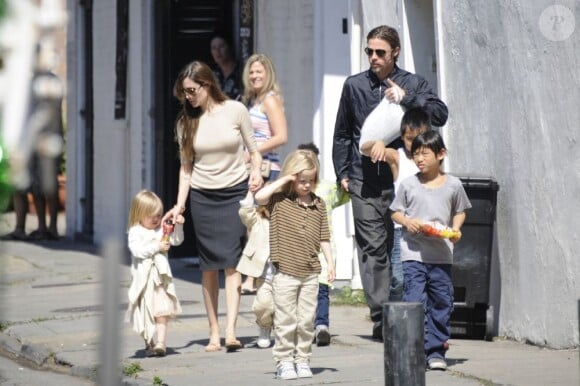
(159,349)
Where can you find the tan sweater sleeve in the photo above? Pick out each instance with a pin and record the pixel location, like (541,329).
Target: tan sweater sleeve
(247,131)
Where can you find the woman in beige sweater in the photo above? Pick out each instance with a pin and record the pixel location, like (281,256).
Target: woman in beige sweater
(212,132)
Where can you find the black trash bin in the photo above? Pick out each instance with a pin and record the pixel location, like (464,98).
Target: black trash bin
(473,315)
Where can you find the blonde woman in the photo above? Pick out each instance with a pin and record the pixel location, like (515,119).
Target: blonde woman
(264,99)
(212,132)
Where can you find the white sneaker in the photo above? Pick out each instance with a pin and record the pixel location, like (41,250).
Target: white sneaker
(437,364)
(285,370)
(303,370)
(264,337)
(322,335)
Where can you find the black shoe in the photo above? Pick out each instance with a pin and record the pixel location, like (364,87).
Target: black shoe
(15,236)
(322,336)
(378,331)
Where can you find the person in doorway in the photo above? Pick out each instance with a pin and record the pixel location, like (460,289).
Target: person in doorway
(430,196)
(415,121)
(226,68)
(371,185)
(212,132)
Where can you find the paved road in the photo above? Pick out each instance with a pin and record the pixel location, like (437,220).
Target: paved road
(13,373)
(52,311)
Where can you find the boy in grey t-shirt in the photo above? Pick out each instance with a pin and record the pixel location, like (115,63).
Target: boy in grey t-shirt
(430,196)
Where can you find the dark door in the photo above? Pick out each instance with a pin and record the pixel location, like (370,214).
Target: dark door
(183,29)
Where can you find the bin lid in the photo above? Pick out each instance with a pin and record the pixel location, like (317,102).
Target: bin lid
(477,181)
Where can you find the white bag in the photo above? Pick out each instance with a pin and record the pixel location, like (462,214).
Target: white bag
(383,123)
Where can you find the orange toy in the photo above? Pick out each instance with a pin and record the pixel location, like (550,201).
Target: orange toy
(438,230)
(168,227)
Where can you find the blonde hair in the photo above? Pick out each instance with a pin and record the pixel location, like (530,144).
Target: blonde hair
(188,118)
(297,162)
(250,96)
(144,204)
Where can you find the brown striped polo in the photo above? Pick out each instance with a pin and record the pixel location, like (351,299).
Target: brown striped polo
(296,232)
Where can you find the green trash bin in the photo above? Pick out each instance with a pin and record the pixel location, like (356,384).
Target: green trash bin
(473,316)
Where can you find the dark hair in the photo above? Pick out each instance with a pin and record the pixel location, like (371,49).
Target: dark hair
(309,146)
(188,118)
(431,140)
(388,34)
(221,34)
(415,119)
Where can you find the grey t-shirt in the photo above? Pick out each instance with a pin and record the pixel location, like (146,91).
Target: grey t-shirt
(426,204)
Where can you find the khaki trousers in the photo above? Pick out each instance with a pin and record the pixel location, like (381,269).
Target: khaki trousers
(295,301)
(263,305)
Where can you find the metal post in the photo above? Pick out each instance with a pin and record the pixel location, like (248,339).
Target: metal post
(404,336)
(109,372)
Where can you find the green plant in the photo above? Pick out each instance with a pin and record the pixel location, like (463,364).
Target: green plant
(132,369)
(348,296)
(41,319)
(4,325)
(157,381)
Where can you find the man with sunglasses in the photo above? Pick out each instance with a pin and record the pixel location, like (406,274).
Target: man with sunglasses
(371,184)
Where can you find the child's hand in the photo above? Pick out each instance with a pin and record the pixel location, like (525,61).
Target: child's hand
(413,225)
(180,219)
(331,273)
(164,246)
(456,238)
(377,151)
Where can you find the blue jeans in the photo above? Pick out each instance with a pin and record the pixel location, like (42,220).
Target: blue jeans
(396,290)
(431,285)
(322,308)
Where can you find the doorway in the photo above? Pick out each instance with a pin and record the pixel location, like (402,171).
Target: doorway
(183,29)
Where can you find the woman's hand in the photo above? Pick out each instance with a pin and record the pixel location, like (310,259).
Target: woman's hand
(174,214)
(256,180)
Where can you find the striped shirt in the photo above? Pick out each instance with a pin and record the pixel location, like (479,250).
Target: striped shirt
(263,132)
(296,232)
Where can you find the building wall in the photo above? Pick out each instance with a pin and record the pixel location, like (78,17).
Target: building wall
(110,139)
(284,32)
(513,96)
(122,147)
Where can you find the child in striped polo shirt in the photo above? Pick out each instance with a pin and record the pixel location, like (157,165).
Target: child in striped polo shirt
(298,231)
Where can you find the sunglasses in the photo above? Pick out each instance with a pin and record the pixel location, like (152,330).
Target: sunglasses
(380,53)
(191,91)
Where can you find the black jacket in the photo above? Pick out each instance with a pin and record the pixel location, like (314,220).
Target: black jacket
(361,93)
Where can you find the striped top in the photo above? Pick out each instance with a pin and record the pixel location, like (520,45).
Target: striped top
(296,232)
(263,132)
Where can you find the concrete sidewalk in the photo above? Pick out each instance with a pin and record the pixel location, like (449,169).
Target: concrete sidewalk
(51,310)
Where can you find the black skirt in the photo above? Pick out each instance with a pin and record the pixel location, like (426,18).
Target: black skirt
(219,232)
